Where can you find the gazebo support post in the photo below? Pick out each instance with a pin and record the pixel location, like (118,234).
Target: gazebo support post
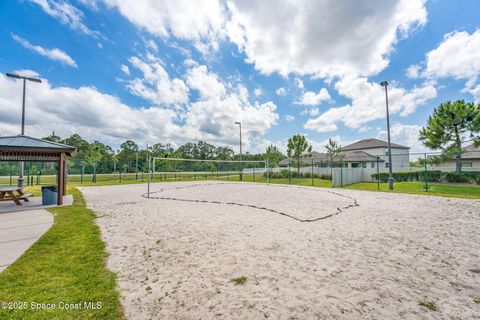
(61,179)
(65,175)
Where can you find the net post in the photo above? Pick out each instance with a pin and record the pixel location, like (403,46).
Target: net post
(148,175)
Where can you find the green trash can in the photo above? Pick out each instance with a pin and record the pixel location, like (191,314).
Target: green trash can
(49,195)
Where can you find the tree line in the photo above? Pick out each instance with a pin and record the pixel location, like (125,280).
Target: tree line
(130,156)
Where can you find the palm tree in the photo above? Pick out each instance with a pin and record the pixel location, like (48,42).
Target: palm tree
(297,148)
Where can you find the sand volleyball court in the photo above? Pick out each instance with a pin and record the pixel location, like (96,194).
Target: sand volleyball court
(220,250)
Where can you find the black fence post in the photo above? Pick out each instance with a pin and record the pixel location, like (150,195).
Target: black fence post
(312,173)
(341,172)
(378,173)
(289,175)
(426,173)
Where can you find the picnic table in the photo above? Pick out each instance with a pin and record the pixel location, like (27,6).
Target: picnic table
(14,194)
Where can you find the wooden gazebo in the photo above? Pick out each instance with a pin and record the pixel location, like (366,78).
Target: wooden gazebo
(25,148)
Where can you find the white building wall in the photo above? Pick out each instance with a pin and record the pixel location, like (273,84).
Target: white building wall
(400,157)
(452,164)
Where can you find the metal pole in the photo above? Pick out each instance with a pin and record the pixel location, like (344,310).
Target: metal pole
(312,172)
(390,167)
(136,165)
(289,175)
(28,174)
(10,173)
(21,164)
(23,106)
(253,172)
(341,172)
(378,173)
(148,175)
(241,157)
(426,173)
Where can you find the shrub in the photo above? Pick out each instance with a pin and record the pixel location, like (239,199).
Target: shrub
(383,176)
(405,176)
(284,173)
(474,176)
(432,175)
(457,177)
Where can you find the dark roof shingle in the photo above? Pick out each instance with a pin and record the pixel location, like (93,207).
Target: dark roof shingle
(22,142)
(370,144)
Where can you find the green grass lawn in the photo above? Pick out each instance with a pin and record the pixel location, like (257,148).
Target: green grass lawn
(66,265)
(435,189)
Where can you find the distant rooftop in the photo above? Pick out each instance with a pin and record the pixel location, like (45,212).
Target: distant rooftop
(370,144)
(345,156)
(22,142)
(471,152)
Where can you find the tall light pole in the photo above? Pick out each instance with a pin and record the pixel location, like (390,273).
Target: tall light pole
(390,174)
(16,76)
(241,163)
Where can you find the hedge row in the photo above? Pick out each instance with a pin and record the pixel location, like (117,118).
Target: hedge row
(293,174)
(431,176)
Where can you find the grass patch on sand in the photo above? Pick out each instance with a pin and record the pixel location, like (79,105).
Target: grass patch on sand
(67,264)
(414,187)
(429,305)
(240,281)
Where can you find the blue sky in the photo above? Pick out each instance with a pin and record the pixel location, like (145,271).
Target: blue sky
(162,71)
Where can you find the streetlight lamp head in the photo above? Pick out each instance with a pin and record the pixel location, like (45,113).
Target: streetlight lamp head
(12,75)
(34,80)
(384,83)
(236,122)
(16,76)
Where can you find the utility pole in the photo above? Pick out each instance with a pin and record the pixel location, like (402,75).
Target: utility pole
(16,76)
(390,173)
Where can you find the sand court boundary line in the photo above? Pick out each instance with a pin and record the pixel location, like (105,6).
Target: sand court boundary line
(338,209)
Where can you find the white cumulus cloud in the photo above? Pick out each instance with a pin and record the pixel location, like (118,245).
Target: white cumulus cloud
(326,38)
(310,98)
(198,21)
(368,104)
(67,14)
(53,54)
(155,84)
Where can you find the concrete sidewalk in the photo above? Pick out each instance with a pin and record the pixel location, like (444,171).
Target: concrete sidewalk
(19,230)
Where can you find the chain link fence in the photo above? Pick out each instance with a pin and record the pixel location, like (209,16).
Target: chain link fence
(343,170)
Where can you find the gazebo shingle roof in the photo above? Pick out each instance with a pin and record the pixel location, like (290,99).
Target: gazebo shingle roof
(22,143)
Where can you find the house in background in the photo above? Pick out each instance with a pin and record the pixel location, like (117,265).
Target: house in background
(470,159)
(361,154)
(376,147)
